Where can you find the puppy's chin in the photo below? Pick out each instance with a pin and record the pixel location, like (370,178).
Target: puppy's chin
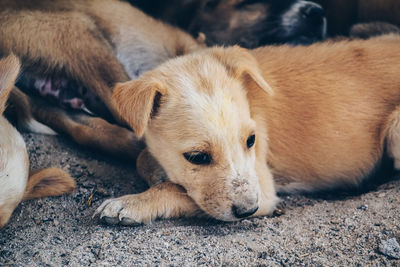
(225,215)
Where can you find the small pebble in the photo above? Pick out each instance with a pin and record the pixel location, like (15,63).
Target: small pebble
(390,248)
(363,207)
(278,212)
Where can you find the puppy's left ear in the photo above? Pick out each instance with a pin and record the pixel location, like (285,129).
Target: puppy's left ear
(9,69)
(242,65)
(137,101)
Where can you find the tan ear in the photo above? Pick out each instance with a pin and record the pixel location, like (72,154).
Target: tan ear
(9,69)
(241,64)
(137,101)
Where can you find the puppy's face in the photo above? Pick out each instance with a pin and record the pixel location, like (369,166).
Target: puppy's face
(195,117)
(252,23)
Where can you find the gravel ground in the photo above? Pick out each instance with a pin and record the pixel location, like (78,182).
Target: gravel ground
(355,230)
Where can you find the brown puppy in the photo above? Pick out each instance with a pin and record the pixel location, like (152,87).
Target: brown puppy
(225,124)
(342,14)
(14,163)
(74,52)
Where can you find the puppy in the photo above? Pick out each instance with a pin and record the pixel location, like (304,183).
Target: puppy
(14,163)
(248,23)
(227,124)
(74,52)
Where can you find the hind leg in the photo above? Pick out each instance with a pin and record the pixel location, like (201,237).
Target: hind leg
(89,131)
(86,130)
(67,43)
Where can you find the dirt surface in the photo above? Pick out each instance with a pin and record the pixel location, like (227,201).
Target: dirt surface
(361,230)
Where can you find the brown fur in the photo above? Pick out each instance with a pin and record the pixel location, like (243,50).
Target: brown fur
(82,40)
(48,182)
(372,29)
(9,68)
(332,109)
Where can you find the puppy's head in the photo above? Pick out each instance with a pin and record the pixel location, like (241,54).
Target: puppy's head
(9,68)
(195,117)
(252,23)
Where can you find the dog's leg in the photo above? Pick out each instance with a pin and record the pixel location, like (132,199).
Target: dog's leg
(48,182)
(164,200)
(268,199)
(92,132)
(19,110)
(149,169)
(68,42)
(392,134)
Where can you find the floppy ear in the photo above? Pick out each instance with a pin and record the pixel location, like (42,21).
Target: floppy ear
(9,69)
(242,65)
(137,101)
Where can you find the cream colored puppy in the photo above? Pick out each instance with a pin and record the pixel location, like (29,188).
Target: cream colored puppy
(223,122)
(14,161)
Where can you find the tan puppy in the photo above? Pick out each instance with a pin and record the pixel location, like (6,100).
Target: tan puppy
(224,122)
(74,52)
(14,163)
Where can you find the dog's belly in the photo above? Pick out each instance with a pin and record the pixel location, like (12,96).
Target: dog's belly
(139,58)
(138,52)
(13,166)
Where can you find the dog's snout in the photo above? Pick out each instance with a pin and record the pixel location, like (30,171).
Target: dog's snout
(313,13)
(243,211)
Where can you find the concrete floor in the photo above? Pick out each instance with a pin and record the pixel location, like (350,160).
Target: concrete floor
(340,231)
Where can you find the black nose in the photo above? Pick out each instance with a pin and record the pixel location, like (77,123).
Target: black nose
(313,13)
(242,212)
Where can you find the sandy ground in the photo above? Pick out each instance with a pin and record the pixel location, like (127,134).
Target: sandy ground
(357,230)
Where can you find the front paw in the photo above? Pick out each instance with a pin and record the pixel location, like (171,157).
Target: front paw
(126,210)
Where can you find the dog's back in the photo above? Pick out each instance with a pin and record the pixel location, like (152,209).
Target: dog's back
(330,107)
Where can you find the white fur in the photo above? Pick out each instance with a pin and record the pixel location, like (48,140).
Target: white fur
(134,54)
(33,126)
(14,166)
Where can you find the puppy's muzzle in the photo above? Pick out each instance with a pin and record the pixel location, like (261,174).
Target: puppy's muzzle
(313,13)
(241,211)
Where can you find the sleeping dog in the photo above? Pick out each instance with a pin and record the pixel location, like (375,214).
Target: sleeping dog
(74,52)
(249,23)
(226,127)
(14,163)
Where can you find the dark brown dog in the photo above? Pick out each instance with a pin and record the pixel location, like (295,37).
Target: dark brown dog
(249,23)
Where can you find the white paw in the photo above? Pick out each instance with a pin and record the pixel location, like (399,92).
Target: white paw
(126,210)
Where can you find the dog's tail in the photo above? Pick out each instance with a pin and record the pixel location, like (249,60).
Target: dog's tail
(9,69)
(48,182)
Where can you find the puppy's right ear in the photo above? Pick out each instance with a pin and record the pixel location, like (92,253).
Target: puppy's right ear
(9,69)
(137,101)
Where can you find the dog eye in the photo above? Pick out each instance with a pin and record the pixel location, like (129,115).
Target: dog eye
(198,158)
(251,140)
